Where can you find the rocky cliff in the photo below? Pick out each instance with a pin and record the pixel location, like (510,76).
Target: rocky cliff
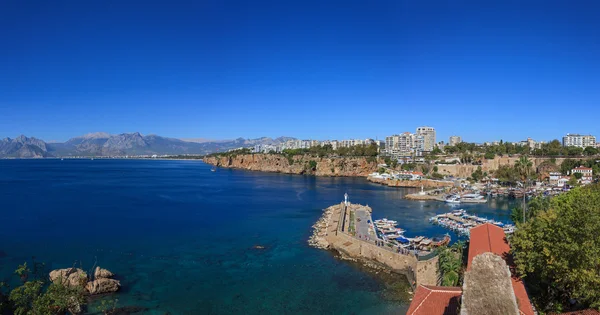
(299,164)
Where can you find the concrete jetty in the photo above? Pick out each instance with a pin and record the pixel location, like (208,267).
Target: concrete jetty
(348,229)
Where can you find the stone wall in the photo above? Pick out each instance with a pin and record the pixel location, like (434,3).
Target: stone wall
(489,166)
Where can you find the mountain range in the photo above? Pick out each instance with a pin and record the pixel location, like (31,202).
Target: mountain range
(104,144)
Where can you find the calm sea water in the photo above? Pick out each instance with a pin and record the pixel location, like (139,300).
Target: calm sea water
(181,238)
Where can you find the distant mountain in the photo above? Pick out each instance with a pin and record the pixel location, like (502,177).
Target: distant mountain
(104,144)
(197,140)
(23,147)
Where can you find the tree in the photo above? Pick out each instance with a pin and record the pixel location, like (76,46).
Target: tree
(534,206)
(557,251)
(478,174)
(573,180)
(435,169)
(436,151)
(450,264)
(489,155)
(524,167)
(578,176)
(507,174)
(36,296)
(590,151)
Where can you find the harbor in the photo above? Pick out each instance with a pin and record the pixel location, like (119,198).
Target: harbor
(461,222)
(349,229)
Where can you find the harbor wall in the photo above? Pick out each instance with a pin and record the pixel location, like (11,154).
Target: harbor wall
(425,272)
(463,170)
(422,272)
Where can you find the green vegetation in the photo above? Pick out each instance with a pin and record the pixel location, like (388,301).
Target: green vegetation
(477,175)
(553,148)
(108,307)
(534,206)
(37,295)
(312,165)
(327,150)
(408,166)
(436,175)
(232,153)
(557,251)
(450,264)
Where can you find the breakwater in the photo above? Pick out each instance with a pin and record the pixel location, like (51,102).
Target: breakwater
(337,230)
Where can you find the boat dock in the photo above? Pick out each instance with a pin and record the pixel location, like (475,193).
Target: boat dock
(461,222)
(349,229)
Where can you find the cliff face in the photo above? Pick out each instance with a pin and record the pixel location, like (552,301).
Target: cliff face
(300,164)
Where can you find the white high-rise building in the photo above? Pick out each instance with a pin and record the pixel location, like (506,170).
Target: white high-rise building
(425,139)
(406,142)
(454,140)
(576,140)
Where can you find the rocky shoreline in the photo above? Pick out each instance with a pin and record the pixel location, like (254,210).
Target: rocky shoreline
(320,230)
(298,164)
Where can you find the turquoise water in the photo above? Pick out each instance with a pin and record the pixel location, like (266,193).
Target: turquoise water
(181,238)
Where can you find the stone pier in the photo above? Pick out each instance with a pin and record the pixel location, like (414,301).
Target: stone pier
(335,230)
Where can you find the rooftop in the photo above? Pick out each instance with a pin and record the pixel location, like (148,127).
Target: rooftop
(490,238)
(430,300)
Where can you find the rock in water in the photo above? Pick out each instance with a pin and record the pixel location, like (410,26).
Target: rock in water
(103,285)
(71,277)
(102,273)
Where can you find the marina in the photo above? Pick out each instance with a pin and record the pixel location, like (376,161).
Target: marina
(461,222)
(393,237)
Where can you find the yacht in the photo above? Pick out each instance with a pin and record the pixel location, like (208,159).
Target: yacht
(453,199)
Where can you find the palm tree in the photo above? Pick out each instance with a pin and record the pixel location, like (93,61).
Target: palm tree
(523,166)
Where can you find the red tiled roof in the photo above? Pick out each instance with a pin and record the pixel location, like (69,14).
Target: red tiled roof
(430,300)
(489,238)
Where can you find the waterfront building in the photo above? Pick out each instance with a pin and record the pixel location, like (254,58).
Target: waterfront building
(577,140)
(427,137)
(586,173)
(454,140)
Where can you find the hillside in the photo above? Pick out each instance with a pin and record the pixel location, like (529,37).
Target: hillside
(104,144)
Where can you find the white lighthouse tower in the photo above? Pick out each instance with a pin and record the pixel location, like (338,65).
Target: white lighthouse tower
(346,199)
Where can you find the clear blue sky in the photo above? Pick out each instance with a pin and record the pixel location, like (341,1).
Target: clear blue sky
(484,70)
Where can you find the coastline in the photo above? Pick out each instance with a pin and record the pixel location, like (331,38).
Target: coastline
(298,164)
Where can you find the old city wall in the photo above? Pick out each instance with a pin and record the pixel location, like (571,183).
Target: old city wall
(489,166)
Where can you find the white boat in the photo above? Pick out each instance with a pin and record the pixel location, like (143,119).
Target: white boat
(473,196)
(453,199)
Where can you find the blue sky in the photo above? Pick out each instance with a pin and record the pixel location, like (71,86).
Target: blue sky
(484,70)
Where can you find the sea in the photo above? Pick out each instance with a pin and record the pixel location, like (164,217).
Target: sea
(183,239)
